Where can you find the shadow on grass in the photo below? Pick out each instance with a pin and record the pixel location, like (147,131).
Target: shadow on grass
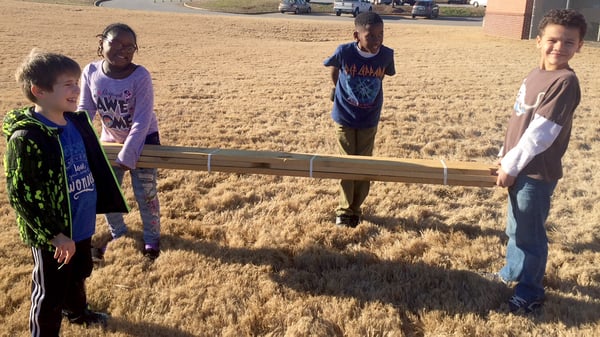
(593,247)
(141,329)
(434,222)
(408,287)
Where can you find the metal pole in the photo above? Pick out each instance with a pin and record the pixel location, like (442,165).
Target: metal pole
(531,19)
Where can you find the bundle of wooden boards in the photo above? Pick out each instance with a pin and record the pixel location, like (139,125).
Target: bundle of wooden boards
(424,171)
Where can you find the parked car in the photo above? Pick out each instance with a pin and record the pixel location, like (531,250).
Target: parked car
(405,2)
(353,7)
(381,2)
(477,3)
(426,8)
(460,2)
(296,6)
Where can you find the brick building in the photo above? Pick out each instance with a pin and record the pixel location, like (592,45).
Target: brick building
(519,19)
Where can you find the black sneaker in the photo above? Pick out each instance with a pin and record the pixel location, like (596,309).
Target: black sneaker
(347,220)
(517,305)
(87,318)
(151,253)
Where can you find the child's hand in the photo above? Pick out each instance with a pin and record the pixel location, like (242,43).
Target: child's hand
(504,180)
(65,248)
(332,94)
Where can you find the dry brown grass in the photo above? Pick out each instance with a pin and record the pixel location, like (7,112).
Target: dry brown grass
(251,255)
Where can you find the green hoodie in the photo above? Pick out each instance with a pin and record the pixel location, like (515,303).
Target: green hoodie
(36,178)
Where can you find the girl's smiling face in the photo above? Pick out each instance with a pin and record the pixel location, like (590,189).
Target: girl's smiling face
(118,49)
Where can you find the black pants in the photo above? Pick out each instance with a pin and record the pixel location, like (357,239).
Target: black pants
(54,290)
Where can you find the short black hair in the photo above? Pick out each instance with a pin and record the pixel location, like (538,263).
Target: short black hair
(367,18)
(569,18)
(42,69)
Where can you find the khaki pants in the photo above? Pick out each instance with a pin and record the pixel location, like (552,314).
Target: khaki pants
(354,192)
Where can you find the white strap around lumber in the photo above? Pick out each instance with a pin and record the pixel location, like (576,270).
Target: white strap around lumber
(425,171)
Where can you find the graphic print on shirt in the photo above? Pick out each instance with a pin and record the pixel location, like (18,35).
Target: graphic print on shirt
(80,177)
(363,83)
(521,107)
(114,109)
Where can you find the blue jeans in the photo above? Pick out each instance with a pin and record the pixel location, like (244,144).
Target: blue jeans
(143,181)
(527,248)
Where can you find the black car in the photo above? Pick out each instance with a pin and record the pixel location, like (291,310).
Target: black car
(461,2)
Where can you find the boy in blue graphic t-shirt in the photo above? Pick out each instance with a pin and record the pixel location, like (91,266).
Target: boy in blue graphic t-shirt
(357,70)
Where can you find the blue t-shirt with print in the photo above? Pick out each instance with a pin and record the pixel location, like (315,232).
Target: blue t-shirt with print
(82,188)
(359,91)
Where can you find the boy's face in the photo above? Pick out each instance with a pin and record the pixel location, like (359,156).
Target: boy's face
(558,44)
(369,37)
(63,96)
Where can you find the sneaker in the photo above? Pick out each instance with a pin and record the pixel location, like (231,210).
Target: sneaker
(347,220)
(517,304)
(87,318)
(151,252)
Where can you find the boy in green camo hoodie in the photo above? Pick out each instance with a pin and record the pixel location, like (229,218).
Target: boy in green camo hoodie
(58,179)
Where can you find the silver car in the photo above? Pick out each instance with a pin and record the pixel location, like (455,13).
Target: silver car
(296,6)
(426,8)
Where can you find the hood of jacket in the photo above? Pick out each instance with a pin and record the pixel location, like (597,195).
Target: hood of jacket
(20,119)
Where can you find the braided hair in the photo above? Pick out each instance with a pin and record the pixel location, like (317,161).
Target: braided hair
(114,28)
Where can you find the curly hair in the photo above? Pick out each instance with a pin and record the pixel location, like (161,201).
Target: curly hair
(565,17)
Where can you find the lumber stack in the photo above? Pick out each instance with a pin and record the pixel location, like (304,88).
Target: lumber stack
(425,171)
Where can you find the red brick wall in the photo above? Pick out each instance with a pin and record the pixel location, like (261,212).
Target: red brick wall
(508,18)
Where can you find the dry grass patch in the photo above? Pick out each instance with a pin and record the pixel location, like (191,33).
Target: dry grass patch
(250,255)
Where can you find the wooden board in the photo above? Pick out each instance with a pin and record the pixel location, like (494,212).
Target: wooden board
(425,171)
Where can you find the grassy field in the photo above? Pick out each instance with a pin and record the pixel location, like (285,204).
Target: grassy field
(255,255)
